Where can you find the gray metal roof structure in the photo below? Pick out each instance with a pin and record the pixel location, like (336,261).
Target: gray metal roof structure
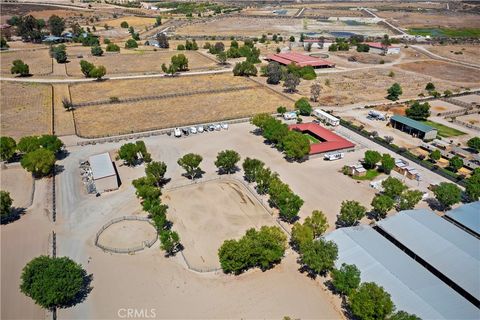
(412,123)
(467,215)
(446,247)
(412,287)
(101,165)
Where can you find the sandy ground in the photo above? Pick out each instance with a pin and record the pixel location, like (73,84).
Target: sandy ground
(127,234)
(424,19)
(21,241)
(26,109)
(442,106)
(38,60)
(216,211)
(465,53)
(19,183)
(471,118)
(445,71)
(469,98)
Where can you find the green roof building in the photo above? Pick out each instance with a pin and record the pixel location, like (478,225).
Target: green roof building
(413,127)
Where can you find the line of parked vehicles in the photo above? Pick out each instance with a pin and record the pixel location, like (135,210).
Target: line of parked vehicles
(178,132)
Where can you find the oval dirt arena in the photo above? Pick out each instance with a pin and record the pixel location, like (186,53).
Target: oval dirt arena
(127,234)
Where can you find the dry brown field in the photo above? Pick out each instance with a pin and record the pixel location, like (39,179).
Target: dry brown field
(138,23)
(371,4)
(324,12)
(469,53)
(366,57)
(26,109)
(134,61)
(443,70)
(112,119)
(154,86)
(424,19)
(38,60)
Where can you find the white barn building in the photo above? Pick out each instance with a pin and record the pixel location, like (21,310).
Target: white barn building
(377,47)
(325,117)
(104,174)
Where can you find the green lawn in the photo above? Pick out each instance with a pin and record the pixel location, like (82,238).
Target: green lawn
(444,131)
(312,138)
(370,175)
(445,32)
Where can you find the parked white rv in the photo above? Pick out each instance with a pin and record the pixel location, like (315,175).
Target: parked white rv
(334,156)
(325,117)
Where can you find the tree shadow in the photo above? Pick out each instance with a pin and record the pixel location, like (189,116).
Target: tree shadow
(14,215)
(434,204)
(62,154)
(223,172)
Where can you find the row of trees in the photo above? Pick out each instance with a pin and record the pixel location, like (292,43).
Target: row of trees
(89,70)
(38,153)
(31,29)
(189,45)
(134,153)
(294,144)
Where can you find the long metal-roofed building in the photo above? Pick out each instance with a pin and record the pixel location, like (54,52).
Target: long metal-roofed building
(412,287)
(299,59)
(467,215)
(413,127)
(451,251)
(104,173)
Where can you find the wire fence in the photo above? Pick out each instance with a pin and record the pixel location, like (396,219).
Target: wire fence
(145,244)
(466,124)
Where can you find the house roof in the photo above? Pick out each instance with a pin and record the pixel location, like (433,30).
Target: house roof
(101,165)
(449,249)
(378,45)
(299,59)
(412,287)
(467,215)
(412,123)
(332,141)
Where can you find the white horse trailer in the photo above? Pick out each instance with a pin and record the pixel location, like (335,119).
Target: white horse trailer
(334,156)
(326,117)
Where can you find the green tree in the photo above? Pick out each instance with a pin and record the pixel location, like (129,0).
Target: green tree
(28,144)
(296,145)
(370,302)
(156,170)
(19,67)
(163,40)
(97,50)
(472,187)
(346,279)
(51,142)
(158,21)
(315,90)
(350,213)
(86,67)
(382,204)
(263,178)
(318,222)
(430,86)
(8,146)
(319,256)
(124,24)
(222,57)
(409,199)
(289,205)
(39,162)
(112,47)
(393,187)
(447,194)
(129,153)
(302,234)
(5,203)
(274,73)
(402,315)
(371,158)
(388,163)
(291,39)
(274,130)
(251,167)
(171,69)
(303,106)
(191,164)
(418,111)
(59,53)
(291,82)
(3,43)
(435,155)
(227,161)
(57,282)
(281,110)
(56,25)
(394,92)
(245,68)
(474,143)
(170,241)
(180,62)
(455,163)
(98,72)
(131,43)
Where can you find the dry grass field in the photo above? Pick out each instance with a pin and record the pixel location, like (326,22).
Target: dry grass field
(26,109)
(134,61)
(425,19)
(139,23)
(443,70)
(366,57)
(216,211)
(465,53)
(38,60)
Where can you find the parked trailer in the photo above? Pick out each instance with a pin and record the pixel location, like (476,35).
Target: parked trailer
(334,156)
(326,117)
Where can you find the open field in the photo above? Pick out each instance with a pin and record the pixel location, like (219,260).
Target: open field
(26,109)
(19,183)
(216,211)
(38,60)
(470,118)
(111,119)
(134,61)
(127,234)
(444,131)
(471,98)
(437,106)
(366,57)
(138,23)
(427,20)
(443,70)
(155,86)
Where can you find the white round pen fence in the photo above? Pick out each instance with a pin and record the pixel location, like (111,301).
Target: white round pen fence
(145,244)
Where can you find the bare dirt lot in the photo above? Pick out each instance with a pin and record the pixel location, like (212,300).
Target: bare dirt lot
(426,19)
(443,70)
(127,234)
(465,53)
(19,183)
(38,60)
(216,211)
(26,109)
(134,61)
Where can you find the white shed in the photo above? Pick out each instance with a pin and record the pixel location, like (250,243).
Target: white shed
(104,174)
(326,117)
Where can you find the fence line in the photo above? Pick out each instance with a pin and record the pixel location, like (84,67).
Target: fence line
(145,244)
(465,124)
(461,112)
(460,103)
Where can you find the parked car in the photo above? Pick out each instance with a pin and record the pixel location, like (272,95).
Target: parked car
(205,128)
(217,127)
(211,127)
(185,131)
(224,126)
(193,130)
(200,129)
(177,132)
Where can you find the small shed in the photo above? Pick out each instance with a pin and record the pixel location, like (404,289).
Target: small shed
(357,170)
(104,173)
